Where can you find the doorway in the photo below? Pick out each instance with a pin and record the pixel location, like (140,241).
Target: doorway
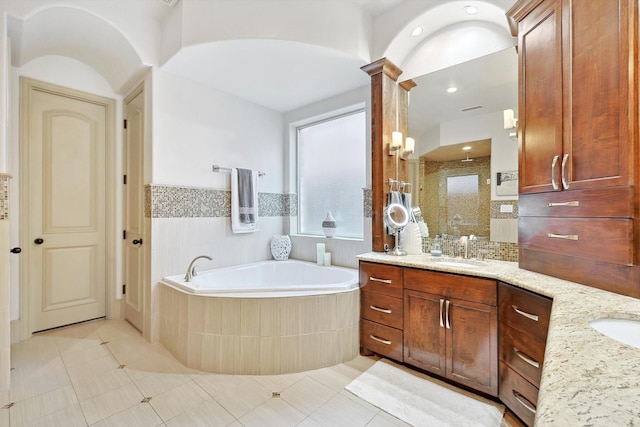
(134,113)
(66,204)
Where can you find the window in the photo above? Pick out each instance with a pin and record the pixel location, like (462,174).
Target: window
(463,200)
(332,174)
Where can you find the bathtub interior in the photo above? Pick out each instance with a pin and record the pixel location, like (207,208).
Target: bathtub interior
(264,276)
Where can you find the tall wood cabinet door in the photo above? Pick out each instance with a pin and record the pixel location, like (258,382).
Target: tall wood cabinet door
(600,111)
(540,98)
(472,345)
(424,331)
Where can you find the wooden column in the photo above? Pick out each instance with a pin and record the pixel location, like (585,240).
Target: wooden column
(389,104)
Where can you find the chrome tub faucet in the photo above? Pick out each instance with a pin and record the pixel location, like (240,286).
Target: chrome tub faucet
(191,270)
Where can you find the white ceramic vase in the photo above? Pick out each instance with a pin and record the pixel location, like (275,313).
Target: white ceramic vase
(280,247)
(329,225)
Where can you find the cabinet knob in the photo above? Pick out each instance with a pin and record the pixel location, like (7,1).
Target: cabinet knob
(137,242)
(38,241)
(16,250)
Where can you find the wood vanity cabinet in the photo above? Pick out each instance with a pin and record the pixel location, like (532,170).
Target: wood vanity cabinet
(523,322)
(381,309)
(450,327)
(578,140)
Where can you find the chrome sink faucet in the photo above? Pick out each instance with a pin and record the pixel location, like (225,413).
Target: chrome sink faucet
(191,270)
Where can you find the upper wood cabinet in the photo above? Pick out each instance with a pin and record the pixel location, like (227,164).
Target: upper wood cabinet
(578,118)
(578,136)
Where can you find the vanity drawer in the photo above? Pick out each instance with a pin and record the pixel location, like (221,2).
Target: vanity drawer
(381,309)
(523,352)
(381,278)
(524,311)
(466,288)
(579,237)
(614,202)
(518,394)
(381,339)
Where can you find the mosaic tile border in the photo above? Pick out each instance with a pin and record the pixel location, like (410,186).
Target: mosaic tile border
(165,201)
(168,201)
(495,209)
(503,251)
(4,196)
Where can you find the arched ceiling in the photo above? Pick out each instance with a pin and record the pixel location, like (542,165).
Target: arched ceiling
(282,67)
(76,34)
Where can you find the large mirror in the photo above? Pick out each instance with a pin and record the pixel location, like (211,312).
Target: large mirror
(465,165)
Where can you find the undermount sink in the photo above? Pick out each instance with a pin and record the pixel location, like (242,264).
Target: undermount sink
(456,263)
(623,330)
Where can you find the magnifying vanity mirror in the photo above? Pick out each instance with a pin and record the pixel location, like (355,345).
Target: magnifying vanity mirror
(396,217)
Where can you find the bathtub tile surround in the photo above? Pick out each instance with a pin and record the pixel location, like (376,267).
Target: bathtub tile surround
(259,336)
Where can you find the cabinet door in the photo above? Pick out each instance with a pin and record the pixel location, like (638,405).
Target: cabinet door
(472,345)
(540,98)
(600,112)
(424,331)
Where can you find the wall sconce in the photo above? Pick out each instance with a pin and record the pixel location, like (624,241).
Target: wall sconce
(409,146)
(396,142)
(510,124)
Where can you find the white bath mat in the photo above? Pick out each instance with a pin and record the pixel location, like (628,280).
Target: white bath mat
(423,401)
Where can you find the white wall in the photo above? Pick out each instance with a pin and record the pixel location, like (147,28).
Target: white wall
(73,74)
(195,127)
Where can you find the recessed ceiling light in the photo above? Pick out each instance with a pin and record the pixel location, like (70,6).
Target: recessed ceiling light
(417,31)
(471,10)
(452,89)
(467,148)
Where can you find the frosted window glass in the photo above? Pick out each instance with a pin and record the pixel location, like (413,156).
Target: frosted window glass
(463,200)
(331,175)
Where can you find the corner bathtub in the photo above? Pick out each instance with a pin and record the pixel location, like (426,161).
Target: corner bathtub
(269,317)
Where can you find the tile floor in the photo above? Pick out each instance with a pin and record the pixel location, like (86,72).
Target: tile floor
(103,373)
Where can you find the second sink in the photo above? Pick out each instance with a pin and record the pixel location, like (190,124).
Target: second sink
(623,330)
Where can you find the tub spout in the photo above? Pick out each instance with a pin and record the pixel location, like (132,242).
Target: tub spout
(191,270)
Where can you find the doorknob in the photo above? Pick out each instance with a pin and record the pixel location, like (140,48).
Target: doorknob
(137,242)
(38,241)
(16,250)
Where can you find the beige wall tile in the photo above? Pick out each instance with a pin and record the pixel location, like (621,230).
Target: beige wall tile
(211,353)
(250,355)
(270,355)
(213,315)
(250,317)
(231,316)
(230,362)
(270,317)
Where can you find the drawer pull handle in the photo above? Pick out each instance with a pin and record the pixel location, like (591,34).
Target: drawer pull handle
(375,279)
(447,312)
(554,163)
(562,236)
(526,358)
(571,203)
(375,338)
(565,181)
(525,314)
(382,310)
(441,321)
(524,402)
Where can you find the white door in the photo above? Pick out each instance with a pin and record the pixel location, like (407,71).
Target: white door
(65,148)
(134,210)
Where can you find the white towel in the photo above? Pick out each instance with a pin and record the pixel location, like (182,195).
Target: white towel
(244,200)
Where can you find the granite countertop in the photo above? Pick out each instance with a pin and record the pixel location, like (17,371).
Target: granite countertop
(588,379)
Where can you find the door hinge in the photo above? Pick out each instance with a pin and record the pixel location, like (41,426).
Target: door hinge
(124,289)
(125,123)
(125,180)
(124,234)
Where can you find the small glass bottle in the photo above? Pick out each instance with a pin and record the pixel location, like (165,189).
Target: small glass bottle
(436,248)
